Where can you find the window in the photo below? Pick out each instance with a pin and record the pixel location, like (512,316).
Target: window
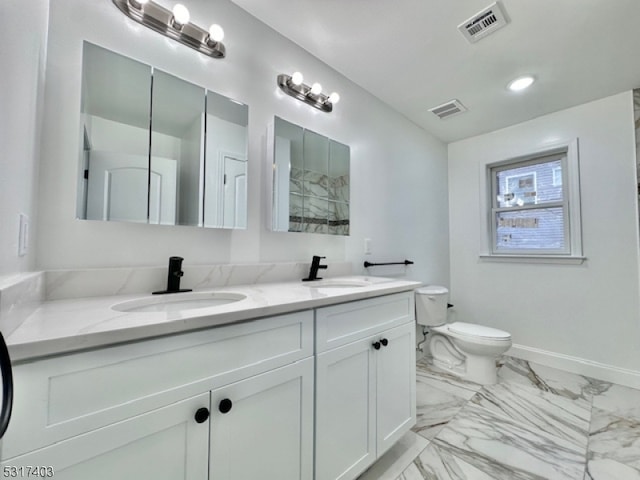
(534,207)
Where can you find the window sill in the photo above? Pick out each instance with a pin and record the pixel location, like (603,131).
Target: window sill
(557,259)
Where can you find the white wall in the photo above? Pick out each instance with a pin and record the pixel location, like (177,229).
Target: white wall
(399,172)
(23,27)
(404,214)
(589,311)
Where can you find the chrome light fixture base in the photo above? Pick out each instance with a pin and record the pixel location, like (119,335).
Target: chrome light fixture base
(303,93)
(162,21)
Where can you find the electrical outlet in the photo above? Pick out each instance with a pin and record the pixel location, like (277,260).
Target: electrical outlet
(23,235)
(367,246)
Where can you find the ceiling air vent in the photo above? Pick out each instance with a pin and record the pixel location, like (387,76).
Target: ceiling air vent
(483,23)
(449,109)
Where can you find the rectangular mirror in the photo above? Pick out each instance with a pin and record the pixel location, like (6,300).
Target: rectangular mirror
(116,98)
(158,149)
(226,163)
(310,181)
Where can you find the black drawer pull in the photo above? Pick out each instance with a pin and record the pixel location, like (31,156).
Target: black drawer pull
(384,342)
(202,415)
(225,405)
(376,345)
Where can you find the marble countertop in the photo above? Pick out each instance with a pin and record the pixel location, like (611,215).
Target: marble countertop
(63,326)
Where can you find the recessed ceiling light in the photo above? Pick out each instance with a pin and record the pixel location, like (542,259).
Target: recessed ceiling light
(521,83)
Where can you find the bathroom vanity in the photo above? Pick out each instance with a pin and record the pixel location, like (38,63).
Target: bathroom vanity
(242,390)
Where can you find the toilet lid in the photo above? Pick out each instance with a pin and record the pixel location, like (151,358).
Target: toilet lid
(478,330)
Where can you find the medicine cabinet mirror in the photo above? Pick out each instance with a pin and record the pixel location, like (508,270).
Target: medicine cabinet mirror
(310,181)
(157,149)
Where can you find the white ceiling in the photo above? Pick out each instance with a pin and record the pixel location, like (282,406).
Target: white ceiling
(410,54)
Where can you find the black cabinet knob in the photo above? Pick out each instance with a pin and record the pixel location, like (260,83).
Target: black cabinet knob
(202,415)
(225,405)
(384,342)
(376,345)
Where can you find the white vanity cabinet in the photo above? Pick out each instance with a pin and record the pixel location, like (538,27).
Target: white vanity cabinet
(261,428)
(151,409)
(164,444)
(365,382)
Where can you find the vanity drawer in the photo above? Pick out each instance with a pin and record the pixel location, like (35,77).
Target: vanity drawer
(64,396)
(341,324)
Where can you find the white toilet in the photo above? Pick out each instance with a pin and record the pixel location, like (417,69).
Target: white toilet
(467,350)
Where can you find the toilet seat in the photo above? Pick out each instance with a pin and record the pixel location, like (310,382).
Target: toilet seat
(471,330)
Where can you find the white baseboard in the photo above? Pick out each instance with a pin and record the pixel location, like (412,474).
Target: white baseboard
(580,366)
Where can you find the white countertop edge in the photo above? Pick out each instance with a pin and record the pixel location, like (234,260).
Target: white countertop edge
(45,333)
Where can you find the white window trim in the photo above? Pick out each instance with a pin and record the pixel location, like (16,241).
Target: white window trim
(573,227)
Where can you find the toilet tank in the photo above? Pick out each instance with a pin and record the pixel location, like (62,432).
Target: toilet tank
(431,305)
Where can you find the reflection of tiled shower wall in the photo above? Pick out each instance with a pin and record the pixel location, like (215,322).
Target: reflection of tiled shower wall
(318,203)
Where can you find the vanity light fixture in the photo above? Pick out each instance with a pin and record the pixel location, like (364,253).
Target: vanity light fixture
(521,83)
(175,24)
(311,95)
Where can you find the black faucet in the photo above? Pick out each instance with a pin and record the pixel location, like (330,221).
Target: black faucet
(173,278)
(313,271)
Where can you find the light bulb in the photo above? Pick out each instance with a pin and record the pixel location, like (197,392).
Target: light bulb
(297,78)
(316,88)
(216,33)
(521,83)
(138,3)
(180,14)
(334,98)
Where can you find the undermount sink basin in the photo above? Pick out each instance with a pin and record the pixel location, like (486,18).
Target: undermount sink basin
(337,283)
(177,302)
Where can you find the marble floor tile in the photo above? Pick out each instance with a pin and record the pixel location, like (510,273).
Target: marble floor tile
(559,382)
(396,459)
(622,401)
(607,469)
(506,449)
(434,409)
(445,381)
(540,410)
(436,463)
(613,438)
(439,397)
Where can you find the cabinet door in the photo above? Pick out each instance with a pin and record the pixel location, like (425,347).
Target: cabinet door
(345,410)
(262,427)
(396,385)
(164,444)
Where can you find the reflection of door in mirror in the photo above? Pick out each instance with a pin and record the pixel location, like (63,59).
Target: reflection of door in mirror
(116,97)
(235,193)
(177,123)
(225,185)
(118,183)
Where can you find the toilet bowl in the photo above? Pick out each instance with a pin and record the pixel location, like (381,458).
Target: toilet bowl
(467,350)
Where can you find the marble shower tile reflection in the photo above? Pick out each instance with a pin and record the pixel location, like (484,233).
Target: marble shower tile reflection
(540,410)
(559,382)
(506,449)
(316,184)
(295,180)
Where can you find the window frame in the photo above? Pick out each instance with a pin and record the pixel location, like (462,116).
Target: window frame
(572,252)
